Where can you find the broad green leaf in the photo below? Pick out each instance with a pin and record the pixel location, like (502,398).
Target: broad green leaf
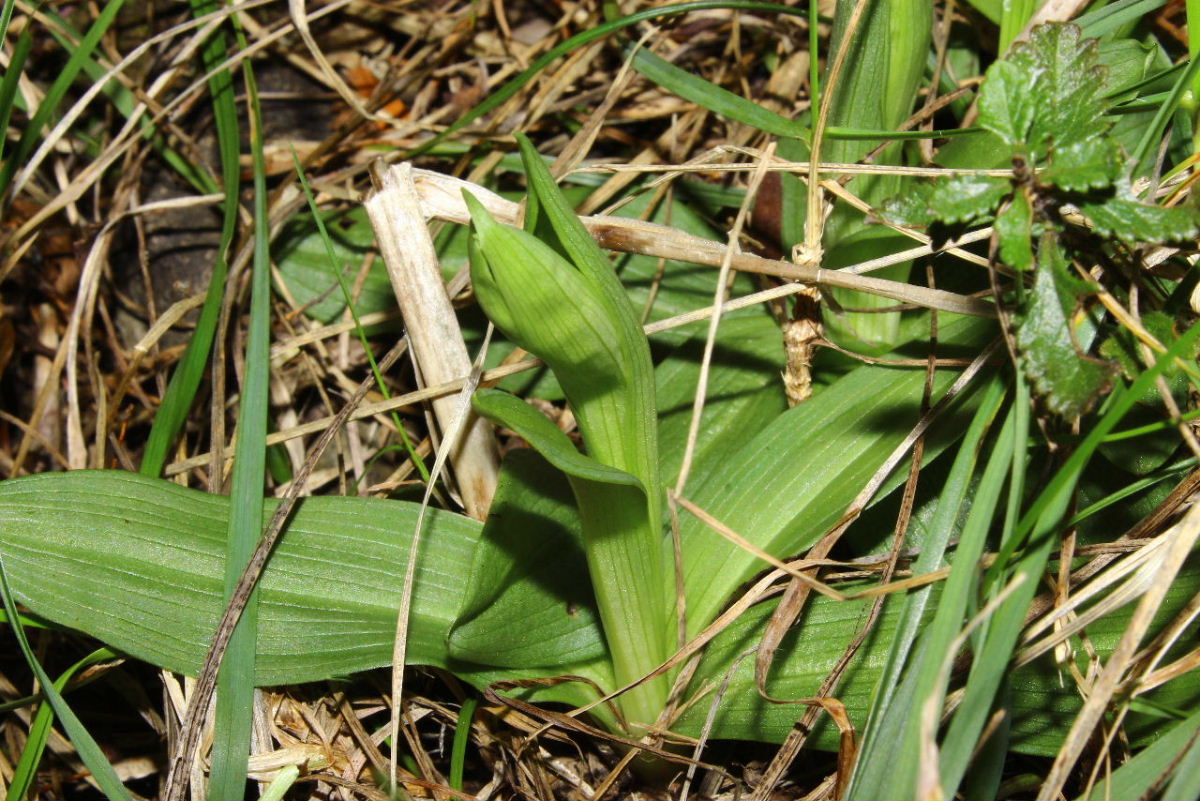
(1067,84)
(744,394)
(1006,104)
(530,601)
(1048,336)
(1132,221)
(910,207)
(1084,164)
(138,563)
(1042,704)
(967,198)
(304,265)
(786,486)
(1014,229)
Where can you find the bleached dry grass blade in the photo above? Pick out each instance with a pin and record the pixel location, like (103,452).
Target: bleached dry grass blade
(433,330)
(441,197)
(1182,537)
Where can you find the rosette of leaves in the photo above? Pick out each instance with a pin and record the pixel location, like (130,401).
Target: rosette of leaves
(1069,203)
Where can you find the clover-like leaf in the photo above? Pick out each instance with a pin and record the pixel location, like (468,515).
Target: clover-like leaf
(967,198)
(1084,164)
(1049,89)
(1127,218)
(1065,377)
(1006,105)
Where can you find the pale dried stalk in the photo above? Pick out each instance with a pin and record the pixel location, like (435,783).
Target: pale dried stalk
(441,198)
(433,330)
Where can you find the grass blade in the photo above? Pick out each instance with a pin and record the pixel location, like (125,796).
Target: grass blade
(8,86)
(181,391)
(417,461)
(57,91)
(39,730)
(894,725)
(235,683)
(89,751)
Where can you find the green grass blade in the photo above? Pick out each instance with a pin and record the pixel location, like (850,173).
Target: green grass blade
(890,755)
(1185,785)
(6,17)
(1109,17)
(85,746)
(8,86)
(124,101)
(181,391)
(1154,131)
(39,730)
(721,101)
(1014,14)
(462,738)
(1035,533)
(235,682)
(715,98)
(57,91)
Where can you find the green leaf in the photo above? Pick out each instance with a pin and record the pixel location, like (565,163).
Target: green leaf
(786,486)
(304,265)
(625,564)
(138,563)
(1048,338)
(530,601)
(1006,104)
(715,98)
(1130,220)
(1049,89)
(916,673)
(912,207)
(1084,164)
(967,198)
(744,394)
(1014,229)
(1042,705)
(25,771)
(1068,84)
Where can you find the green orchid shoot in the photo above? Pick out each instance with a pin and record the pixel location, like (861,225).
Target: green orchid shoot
(551,290)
